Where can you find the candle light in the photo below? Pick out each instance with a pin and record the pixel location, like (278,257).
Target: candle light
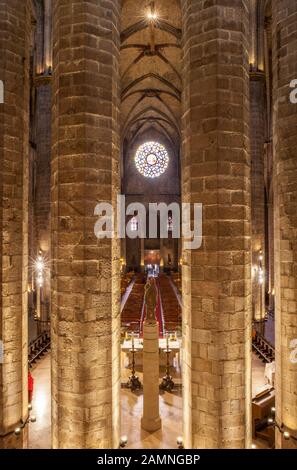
(132,339)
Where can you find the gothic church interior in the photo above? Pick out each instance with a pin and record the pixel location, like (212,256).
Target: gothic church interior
(164,103)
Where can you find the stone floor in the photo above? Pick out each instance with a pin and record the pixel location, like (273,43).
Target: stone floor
(170,412)
(131,409)
(40,432)
(258,380)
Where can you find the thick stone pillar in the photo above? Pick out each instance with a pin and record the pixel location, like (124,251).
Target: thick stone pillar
(216,277)
(43,176)
(16,25)
(41,136)
(47,41)
(142,254)
(85,270)
(151,420)
(284,30)
(270,229)
(257,141)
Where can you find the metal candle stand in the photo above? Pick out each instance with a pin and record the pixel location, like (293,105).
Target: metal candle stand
(133,382)
(167,382)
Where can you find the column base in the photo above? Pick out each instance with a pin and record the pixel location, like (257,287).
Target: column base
(11,441)
(151,425)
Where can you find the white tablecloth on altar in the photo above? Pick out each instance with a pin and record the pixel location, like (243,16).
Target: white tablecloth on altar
(174,346)
(138,344)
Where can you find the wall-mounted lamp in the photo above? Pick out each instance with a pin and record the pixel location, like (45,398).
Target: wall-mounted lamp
(39,268)
(30,419)
(17,431)
(260,268)
(272,422)
(123,441)
(180,442)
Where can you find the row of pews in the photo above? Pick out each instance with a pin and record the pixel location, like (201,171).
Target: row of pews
(170,305)
(176,279)
(132,311)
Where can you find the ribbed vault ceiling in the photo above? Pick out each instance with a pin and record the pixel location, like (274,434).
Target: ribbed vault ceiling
(151,68)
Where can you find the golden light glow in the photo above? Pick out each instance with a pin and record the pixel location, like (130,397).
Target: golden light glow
(17,431)
(180,442)
(40,267)
(41,402)
(123,441)
(152,16)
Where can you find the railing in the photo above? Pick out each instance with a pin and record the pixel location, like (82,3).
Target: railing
(263,348)
(39,347)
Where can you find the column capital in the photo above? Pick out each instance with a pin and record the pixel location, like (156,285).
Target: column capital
(257,75)
(40,80)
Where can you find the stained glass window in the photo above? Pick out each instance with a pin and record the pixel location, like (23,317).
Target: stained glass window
(151,159)
(134,224)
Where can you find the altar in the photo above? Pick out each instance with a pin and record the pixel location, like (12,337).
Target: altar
(174,356)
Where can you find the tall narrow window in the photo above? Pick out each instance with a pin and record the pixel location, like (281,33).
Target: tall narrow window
(170,222)
(134,224)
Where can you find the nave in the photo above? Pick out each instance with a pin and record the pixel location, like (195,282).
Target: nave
(131,401)
(131,409)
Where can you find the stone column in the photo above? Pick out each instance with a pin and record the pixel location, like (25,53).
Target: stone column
(253,42)
(16,25)
(85,270)
(217,277)
(42,178)
(162,255)
(270,209)
(142,255)
(47,54)
(151,420)
(284,30)
(257,133)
